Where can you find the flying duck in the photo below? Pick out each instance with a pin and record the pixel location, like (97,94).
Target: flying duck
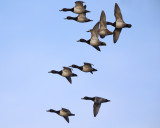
(87,67)
(103,31)
(118,24)
(78,9)
(63,112)
(94,40)
(66,72)
(97,103)
(80,18)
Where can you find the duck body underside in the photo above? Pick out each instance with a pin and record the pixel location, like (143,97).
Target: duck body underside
(62,113)
(78,10)
(66,73)
(120,24)
(102,32)
(87,69)
(81,19)
(94,42)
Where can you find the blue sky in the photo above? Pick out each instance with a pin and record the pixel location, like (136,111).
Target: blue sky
(35,38)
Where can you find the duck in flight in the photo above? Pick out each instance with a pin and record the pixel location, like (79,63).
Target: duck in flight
(78,8)
(94,40)
(103,31)
(97,103)
(87,67)
(66,72)
(63,112)
(118,24)
(80,18)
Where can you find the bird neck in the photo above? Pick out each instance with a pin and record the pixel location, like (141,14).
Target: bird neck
(110,23)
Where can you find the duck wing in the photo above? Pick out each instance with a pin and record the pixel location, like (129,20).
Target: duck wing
(116,34)
(94,31)
(89,64)
(96,108)
(97,48)
(66,68)
(117,13)
(103,23)
(66,118)
(65,110)
(79,4)
(69,79)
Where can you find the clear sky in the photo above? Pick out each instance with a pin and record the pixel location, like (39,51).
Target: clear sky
(35,38)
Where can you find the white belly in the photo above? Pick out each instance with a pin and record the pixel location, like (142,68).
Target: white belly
(78,10)
(81,19)
(119,24)
(94,42)
(66,73)
(62,113)
(87,69)
(102,32)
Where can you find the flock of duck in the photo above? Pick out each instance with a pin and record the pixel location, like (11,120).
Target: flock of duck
(94,41)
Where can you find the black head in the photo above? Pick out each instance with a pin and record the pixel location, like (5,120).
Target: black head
(85,41)
(85,98)
(128,25)
(66,9)
(50,110)
(89,30)
(82,40)
(68,17)
(73,66)
(52,71)
(71,18)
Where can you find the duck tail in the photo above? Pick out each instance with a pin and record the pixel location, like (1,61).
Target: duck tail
(87,11)
(103,44)
(72,114)
(128,25)
(73,74)
(94,70)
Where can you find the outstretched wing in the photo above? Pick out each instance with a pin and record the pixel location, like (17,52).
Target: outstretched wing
(94,31)
(117,13)
(79,4)
(97,48)
(66,118)
(96,108)
(65,110)
(116,34)
(69,79)
(67,68)
(89,64)
(103,23)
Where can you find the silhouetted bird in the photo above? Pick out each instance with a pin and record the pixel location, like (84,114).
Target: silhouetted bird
(97,103)
(66,72)
(80,18)
(119,24)
(78,9)
(63,112)
(94,40)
